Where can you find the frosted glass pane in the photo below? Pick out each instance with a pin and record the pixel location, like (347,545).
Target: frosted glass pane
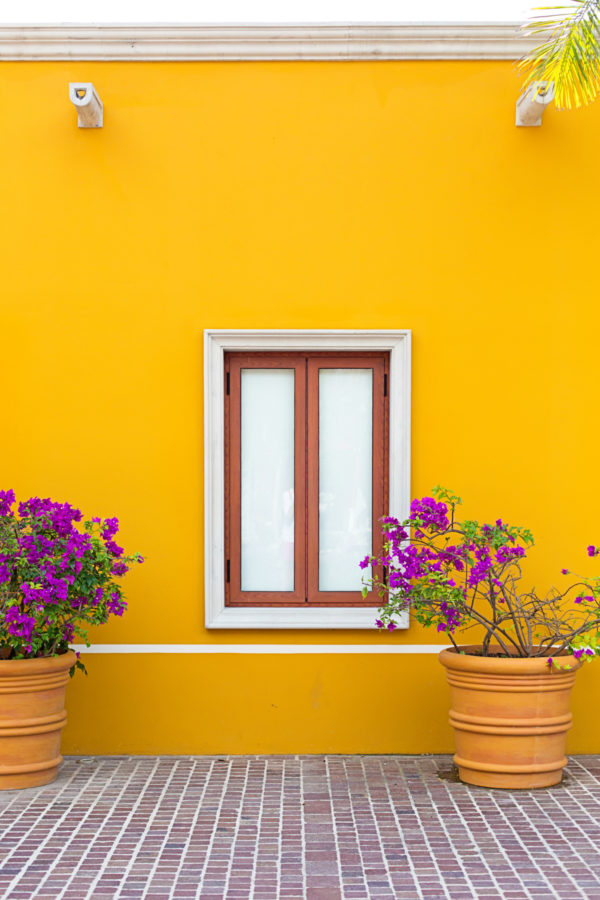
(345,476)
(267,480)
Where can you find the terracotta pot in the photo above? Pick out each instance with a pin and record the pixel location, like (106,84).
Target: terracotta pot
(32,716)
(510,718)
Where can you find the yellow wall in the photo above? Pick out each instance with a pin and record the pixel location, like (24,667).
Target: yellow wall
(291,195)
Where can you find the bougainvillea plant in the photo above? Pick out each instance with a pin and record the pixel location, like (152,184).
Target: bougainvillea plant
(454,575)
(56,579)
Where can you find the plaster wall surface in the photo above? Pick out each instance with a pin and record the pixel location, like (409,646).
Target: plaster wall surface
(291,195)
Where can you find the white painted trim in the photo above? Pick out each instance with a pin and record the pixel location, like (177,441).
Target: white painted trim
(468,40)
(267,649)
(216,343)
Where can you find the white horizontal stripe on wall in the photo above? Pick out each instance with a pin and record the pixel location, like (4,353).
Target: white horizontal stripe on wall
(260,648)
(469,40)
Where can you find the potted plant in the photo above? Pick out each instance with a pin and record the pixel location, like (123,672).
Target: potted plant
(56,579)
(510,690)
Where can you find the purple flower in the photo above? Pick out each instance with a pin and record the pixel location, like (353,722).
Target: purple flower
(114,548)
(379,623)
(140,558)
(115,604)
(55,574)
(365,562)
(110,528)
(429,514)
(391,627)
(483,565)
(564,571)
(19,625)
(549,663)
(591,550)
(7,498)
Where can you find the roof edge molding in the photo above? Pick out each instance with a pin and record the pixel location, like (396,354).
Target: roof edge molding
(263,42)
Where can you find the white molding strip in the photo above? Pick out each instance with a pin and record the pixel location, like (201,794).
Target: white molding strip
(289,649)
(264,42)
(216,343)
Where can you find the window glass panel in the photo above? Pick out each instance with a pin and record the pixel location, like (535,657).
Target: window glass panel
(267,473)
(345,476)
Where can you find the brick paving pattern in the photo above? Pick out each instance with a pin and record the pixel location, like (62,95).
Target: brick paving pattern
(311,828)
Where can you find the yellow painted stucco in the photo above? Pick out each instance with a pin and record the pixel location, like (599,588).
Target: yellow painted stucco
(291,195)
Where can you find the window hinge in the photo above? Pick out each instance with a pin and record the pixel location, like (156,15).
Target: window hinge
(228,384)
(306,599)
(384,384)
(227,571)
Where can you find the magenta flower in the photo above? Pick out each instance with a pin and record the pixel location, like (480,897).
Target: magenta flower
(114,548)
(56,578)
(7,498)
(110,528)
(451,573)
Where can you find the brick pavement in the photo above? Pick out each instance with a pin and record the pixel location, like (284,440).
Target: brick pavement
(311,827)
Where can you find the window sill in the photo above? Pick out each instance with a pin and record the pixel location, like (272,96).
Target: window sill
(295,617)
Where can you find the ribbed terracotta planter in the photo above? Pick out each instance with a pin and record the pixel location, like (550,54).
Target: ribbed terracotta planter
(32,716)
(510,718)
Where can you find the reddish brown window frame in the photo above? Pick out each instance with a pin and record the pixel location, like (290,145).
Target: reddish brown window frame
(306,476)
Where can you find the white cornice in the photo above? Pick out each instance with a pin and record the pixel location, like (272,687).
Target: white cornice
(263,42)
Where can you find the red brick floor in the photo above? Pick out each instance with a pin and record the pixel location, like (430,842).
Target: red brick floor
(296,827)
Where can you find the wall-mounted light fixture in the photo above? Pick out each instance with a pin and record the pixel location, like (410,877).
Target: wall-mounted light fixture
(87,103)
(532,102)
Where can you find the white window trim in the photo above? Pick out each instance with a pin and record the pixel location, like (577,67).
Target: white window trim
(216,343)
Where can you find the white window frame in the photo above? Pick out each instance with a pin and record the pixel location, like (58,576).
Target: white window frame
(217,342)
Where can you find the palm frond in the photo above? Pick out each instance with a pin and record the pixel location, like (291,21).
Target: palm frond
(569,54)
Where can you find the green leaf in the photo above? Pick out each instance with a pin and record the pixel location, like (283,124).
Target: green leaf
(569,52)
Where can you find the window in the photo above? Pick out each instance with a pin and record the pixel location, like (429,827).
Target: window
(306,466)
(302,457)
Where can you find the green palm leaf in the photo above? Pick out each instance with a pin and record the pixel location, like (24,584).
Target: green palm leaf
(569,52)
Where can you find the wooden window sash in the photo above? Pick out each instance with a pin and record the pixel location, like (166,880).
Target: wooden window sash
(306,458)
(378,365)
(234,596)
